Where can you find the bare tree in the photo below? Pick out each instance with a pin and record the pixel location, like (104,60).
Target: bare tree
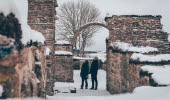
(86,38)
(73,15)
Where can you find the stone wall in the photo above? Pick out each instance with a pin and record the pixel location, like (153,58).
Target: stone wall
(122,74)
(63,69)
(41,17)
(139,31)
(22,73)
(63,47)
(22,67)
(63,64)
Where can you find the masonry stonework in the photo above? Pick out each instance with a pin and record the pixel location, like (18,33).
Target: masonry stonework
(63,69)
(139,31)
(65,47)
(22,73)
(22,68)
(63,64)
(41,17)
(124,75)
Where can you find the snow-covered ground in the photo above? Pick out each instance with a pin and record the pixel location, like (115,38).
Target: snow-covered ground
(83,92)
(140,93)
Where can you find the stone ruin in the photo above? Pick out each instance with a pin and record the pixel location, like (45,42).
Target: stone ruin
(36,64)
(123,72)
(63,71)
(41,17)
(22,68)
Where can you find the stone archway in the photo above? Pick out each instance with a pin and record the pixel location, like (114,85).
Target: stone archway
(78,32)
(86,26)
(124,74)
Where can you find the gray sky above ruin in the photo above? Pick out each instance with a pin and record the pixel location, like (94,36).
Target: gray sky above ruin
(128,7)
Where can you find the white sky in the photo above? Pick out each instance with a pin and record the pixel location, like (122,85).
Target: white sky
(127,7)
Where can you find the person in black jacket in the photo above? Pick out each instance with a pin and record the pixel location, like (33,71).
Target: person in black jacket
(93,72)
(84,74)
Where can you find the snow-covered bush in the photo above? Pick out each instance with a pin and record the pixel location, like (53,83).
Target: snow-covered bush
(19,10)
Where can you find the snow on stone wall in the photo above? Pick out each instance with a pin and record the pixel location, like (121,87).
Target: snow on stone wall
(63,61)
(20,9)
(47,51)
(63,53)
(150,58)
(126,47)
(137,29)
(130,36)
(62,42)
(160,74)
(82,58)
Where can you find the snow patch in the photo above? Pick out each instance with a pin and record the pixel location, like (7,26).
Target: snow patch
(37,80)
(140,93)
(1,90)
(62,42)
(26,67)
(82,58)
(169,37)
(63,53)
(126,47)
(150,58)
(152,40)
(29,98)
(47,51)
(65,87)
(161,74)
(20,9)
(38,63)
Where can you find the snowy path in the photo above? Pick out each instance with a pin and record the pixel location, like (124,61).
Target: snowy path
(140,93)
(84,92)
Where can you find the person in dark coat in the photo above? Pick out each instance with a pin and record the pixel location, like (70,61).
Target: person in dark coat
(84,74)
(93,72)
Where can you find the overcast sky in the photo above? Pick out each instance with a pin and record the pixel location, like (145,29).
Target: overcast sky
(128,7)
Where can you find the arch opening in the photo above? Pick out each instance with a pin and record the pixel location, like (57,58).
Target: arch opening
(102,73)
(78,32)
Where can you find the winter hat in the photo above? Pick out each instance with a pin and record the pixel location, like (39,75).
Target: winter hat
(95,58)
